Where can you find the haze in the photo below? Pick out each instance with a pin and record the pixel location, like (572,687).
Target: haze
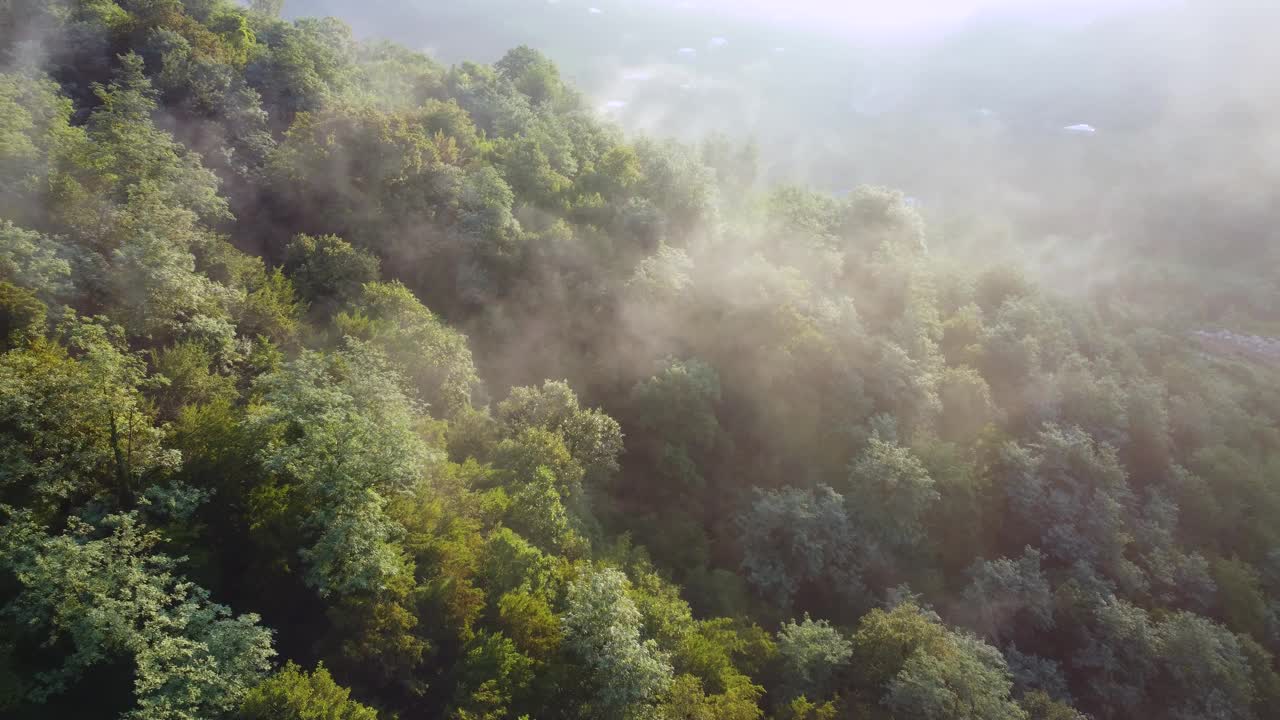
(905,19)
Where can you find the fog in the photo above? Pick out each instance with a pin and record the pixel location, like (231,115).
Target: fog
(908,20)
(1044,118)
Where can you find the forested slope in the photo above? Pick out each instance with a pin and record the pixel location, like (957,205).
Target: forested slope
(338,383)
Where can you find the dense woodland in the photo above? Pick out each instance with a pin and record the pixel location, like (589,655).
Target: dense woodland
(339,383)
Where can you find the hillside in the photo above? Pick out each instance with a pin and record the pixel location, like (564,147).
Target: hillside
(339,382)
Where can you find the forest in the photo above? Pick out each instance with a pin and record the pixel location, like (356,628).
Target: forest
(337,382)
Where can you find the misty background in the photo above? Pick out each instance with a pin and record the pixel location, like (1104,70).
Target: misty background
(1040,130)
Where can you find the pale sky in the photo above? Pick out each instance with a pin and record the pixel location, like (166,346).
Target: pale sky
(911,16)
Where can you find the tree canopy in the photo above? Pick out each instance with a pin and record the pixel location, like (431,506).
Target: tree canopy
(336,382)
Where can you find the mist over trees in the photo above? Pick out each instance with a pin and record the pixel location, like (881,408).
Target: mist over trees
(336,381)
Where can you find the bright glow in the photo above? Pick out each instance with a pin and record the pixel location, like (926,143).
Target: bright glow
(910,16)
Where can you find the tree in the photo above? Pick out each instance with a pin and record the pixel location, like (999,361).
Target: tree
(526,618)
(968,681)
(1071,495)
(872,217)
(1000,283)
(511,563)
(1241,602)
(1117,662)
(78,429)
(488,229)
(270,308)
(538,511)
(137,154)
(679,186)
(1177,578)
(493,675)
(327,271)
(812,654)
(1005,596)
(627,675)
(294,694)
(22,316)
(1040,706)
(134,206)
(884,640)
(532,73)
(917,667)
(37,119)
(270,8)
(1203,670)
(434,357)
(889,495)
(33,261)
(186,369)
(967,407)
(792,538)
(340,434)
(109,597)
(678,404)
(962,336)
(306,64)
(593,439)
(523,459)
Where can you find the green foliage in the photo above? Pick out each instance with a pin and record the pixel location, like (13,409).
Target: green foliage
(109,597)
(812,654)
(536,448)
(308,63)
(679,405)
(36,263)
(433,356)
(340,432)
(327,270)
(527,618)
(627,676)
(270,8)
(1039,706)
(1240,597)
(967,407)
(512,564)
(78,429)
(793,537)
(271,308)
(257,279)
(22,316)
(968,680)
(592,438)
(918,668)
(188,378)
(294,694)
(889,496)
(35,139)
(493,673)
(532,74)
(1075,494)
(1203,669)
(802,708)
(1006,595)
